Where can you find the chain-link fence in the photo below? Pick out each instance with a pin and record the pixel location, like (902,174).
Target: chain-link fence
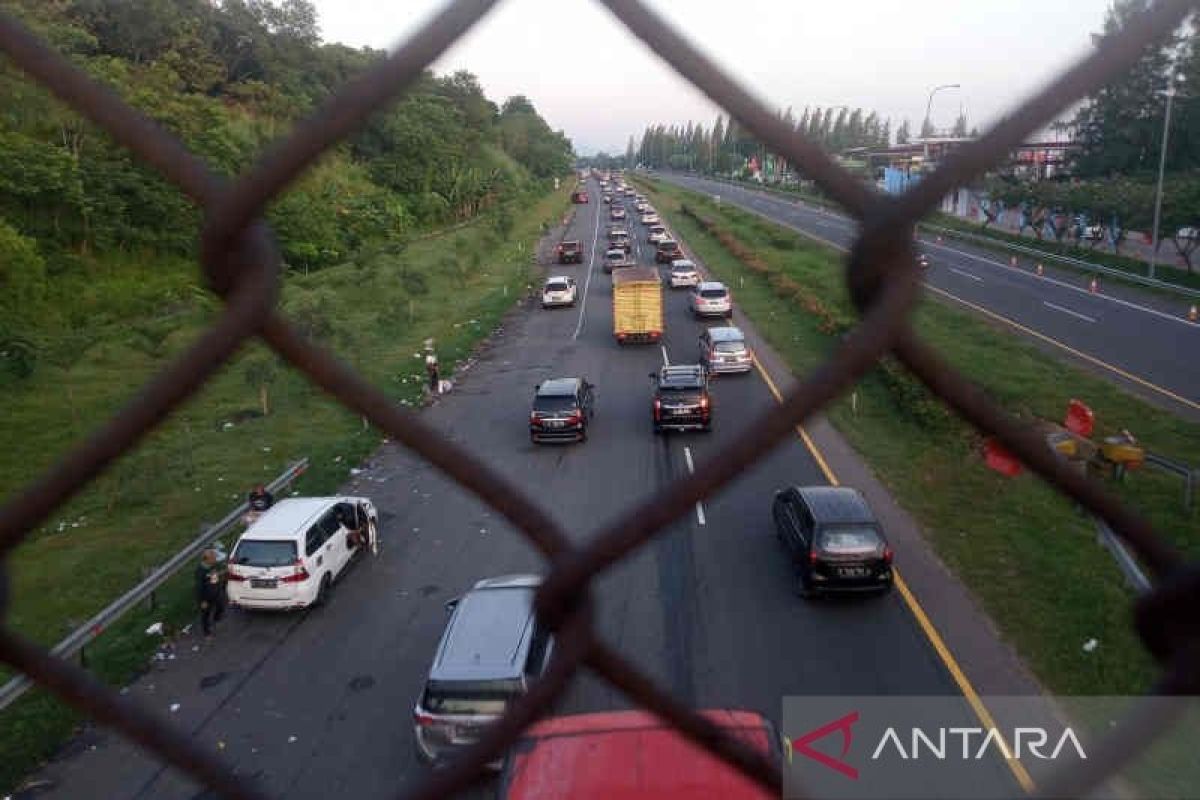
(242,264)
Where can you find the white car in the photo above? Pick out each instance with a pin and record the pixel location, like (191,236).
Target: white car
(656,233)
(641,206)
(650,218)
(559,290)
(711,299)
(683,273)
(291,555)
(616,258)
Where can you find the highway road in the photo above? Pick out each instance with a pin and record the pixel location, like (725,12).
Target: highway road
(1140,340)
(318,705)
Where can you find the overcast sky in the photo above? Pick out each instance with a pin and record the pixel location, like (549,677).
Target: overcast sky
(588,76)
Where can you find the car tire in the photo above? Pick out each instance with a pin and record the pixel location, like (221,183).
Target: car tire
(658,430)
(803,590)
(323,591)
(707,427)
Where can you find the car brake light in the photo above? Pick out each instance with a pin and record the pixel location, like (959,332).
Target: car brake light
(812,557)
(657,408)
(887,555)
(233,575)
(704,402)
(576,417)
(533,418)
(301,574)
(422,718)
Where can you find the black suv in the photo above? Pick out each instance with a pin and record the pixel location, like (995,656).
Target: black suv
(666,251)
(833,538)
(562,408)
(681,399)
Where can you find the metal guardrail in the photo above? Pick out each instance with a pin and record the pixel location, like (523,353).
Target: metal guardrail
(1034,252)
(74,643)
(1125,561)
(1183,470)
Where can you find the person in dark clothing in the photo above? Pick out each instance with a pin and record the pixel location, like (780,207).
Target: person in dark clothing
(431,366)
(260,499)
(210,591)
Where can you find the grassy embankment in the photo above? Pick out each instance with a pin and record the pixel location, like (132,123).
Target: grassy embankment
(120,325)
(1028,555)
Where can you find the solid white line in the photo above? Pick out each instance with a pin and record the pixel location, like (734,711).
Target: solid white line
(1083,317)
(666,361)
(591,267)
(966,274)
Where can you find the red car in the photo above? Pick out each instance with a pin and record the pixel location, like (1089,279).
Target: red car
(579,197)
(630,754)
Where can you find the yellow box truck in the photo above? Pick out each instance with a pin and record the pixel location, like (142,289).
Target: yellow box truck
(637,305)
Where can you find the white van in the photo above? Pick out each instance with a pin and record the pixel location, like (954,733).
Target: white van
(292,554)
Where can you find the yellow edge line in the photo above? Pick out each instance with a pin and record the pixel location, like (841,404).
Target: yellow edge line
(1077,353)
(935,639)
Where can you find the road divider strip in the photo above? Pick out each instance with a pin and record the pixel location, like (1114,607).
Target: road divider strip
(1065,310)
(923,621)
(687,456)
(588,281)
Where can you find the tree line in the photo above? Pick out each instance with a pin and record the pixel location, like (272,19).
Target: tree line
(229,78)
(726,146)
(1112,180)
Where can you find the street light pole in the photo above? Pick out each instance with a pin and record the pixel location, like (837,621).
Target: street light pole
(929,107)
(1162,163)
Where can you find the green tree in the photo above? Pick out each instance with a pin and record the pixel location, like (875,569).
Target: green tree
(1119,127)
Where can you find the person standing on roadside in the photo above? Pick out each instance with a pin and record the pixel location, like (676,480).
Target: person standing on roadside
(210,591)
(431,366)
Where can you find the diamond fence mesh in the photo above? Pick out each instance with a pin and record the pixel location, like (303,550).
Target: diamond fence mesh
(241,264)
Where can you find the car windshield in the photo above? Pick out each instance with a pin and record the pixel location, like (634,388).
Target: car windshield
(847,539)
(491,703)
(264,553)
(730,347)
(554,403)
(570,246)
(712,293)
(684,268)
(557,286)
(615,255)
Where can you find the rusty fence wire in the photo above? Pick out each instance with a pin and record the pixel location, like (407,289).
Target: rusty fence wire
(241,263)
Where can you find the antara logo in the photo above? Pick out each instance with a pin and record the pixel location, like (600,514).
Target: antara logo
(1031,741)
(940,744)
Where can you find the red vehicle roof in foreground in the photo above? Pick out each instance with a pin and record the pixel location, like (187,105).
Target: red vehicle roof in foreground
(629,755)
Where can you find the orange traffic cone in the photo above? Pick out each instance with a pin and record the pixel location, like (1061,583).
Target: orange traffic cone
(1193,314)
(1040,269)
(1094,286)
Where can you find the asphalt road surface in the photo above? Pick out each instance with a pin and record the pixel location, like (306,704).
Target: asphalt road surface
(1120,329)
(319,704)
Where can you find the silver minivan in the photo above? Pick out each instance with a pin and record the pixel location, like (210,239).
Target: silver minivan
(491,651)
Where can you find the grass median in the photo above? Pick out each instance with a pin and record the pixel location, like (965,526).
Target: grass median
(1024,550)
(250,420)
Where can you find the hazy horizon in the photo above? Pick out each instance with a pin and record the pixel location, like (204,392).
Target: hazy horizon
(588,76)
